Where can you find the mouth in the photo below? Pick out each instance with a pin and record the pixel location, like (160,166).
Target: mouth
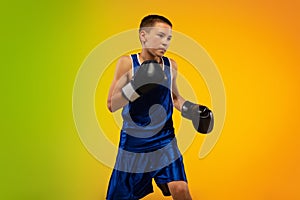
(162,49)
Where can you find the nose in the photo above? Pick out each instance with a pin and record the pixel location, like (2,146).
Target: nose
(165,42)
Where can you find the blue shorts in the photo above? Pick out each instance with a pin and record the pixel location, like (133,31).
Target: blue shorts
(134,186)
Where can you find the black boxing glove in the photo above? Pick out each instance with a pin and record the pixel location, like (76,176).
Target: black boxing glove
(146,78)
(201,116)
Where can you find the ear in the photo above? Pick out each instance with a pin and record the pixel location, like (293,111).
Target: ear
(143,36)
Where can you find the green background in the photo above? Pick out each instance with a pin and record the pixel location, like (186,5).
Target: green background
(43,44)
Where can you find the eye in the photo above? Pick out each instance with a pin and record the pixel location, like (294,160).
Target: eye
(160,35)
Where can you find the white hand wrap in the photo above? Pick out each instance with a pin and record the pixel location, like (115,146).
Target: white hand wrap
(129,92)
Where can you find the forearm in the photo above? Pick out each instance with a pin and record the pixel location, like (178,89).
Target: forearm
(178,102)
(117,101)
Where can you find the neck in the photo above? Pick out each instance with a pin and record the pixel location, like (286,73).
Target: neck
(147,56)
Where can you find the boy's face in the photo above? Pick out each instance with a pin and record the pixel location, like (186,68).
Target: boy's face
(157,39)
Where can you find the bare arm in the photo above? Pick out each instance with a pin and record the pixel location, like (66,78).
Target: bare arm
(122,76)
(177,98)
(201,116)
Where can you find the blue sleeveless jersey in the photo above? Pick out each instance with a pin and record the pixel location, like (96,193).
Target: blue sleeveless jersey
(147,122)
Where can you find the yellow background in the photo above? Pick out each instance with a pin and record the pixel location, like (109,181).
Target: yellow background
(255,45)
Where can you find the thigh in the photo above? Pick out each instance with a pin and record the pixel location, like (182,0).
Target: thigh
(173,172)
(124,185)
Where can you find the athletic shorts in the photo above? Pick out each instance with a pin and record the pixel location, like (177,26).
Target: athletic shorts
(133,186)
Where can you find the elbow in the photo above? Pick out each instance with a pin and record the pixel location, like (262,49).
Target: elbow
(114,104)
(109,107)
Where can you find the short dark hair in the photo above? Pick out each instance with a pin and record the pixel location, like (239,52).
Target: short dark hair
(150,20)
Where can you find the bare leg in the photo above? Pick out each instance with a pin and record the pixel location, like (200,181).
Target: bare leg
(179,190)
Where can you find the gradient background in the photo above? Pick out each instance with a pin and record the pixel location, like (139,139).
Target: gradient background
(255,45)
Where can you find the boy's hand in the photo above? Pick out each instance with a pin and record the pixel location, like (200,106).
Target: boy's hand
(147,77)
(201,116)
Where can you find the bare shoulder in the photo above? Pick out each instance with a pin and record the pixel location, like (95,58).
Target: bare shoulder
(125,58)
(174,64)
(124,61)
(123,66)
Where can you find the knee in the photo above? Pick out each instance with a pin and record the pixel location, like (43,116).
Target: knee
(180,191)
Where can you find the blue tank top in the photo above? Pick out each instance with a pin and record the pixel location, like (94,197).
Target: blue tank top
(147,122)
